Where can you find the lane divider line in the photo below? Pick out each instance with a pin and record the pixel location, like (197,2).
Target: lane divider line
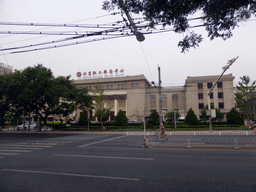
(105,157)
(72,174)
(102,141)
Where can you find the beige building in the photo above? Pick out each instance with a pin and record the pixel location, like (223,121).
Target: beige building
(137,97)
(5,69)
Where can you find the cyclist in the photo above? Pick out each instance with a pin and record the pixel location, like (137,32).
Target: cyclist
(162,130)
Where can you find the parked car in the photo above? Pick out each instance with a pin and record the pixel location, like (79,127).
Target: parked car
(32,126)
(130,121)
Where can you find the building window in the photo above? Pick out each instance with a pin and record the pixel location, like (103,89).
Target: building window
(123,86)
(221,105)
(111,86)
(200,95)
(200,105)
(200,85)
(108,87)
(119,86)
(152,98)
(220,95)
(209,85)
(135,85)
(212,105)
(175,97)
(219,85)
(101,87)
(164,98)
(211,96)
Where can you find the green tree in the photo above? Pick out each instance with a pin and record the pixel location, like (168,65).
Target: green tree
(153,119)
(102,114)
(83,119)
(235,117)
(245,95)
(191,118)
(120,119)
(170,116)
(5,103)
(218,17)
(100,100)
(46,95)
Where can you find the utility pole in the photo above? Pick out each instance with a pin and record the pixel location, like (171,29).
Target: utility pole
(160,96)
(225,68)
(139,36)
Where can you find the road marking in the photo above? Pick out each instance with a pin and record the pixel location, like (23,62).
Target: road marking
(24,145)
(105,157)
(122,148)
(6,150)
(9,153)
(30,148)
(72,174)
(101,141)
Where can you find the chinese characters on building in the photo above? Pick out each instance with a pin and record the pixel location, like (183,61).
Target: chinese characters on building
(100,74)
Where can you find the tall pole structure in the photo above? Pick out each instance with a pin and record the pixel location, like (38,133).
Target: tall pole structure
(225,68)
(160,97)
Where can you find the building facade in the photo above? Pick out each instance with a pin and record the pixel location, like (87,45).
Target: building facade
(5,69)
(138,98)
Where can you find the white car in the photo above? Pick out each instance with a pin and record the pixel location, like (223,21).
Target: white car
(32,126)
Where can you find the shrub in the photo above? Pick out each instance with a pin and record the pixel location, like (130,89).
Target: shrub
(83,119)
(191,118)
(120,119)
(235,117)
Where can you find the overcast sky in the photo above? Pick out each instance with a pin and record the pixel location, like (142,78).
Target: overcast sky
(121,53)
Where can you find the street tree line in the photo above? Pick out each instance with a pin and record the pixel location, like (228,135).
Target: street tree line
(36,91)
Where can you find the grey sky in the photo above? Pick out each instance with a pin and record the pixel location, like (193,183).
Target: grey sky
(120,53)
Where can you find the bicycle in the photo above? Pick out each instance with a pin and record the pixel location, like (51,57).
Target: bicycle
(160,136)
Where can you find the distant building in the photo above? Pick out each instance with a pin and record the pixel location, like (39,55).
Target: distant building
(137,97)
(5,69)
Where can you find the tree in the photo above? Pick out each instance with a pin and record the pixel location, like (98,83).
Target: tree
(191,118)
(100,100)
(235,117)
(83,119)
(102,114)
(5,103)
(153,119)
(120,119)
(245,96)
(218,17)
(170,116)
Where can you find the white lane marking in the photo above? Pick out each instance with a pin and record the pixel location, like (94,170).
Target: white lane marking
(105,157)
(24,145)
(9,153)
(72,174)
(101,141)
(8,150)
(30,148)
(122,148)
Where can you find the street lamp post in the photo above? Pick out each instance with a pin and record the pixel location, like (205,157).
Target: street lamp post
(230,62)
(160,96)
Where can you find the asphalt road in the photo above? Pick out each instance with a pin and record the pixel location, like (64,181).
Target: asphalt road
(79,162)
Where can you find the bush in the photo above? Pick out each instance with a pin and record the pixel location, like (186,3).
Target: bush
(235,117)
(83,119)
(191,118)
(120,119)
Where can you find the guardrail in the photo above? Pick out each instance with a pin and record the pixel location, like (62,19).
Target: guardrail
(223,132)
